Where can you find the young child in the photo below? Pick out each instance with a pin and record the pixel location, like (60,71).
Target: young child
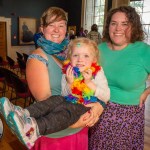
(83,82)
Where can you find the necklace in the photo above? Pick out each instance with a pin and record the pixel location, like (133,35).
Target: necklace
(81,93)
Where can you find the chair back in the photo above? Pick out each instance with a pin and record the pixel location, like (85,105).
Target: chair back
(19,85)
(21,89)
(1,73)
(21,63)
(25,56)
(7,74)
(1,60)
(10,61)
(8,81)
(20,56)
(3,63)
(3,84)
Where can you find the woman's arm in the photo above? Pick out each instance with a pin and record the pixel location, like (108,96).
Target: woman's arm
(144,96)
(96,111)
(102,92)
(89,118)
(84,120)
(37,77)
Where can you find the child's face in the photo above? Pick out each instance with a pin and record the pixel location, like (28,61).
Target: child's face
(82,57)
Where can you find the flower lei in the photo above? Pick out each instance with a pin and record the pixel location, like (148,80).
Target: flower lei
(81,93)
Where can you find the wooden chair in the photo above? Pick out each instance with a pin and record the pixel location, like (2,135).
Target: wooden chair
(22,66)
(8,81)
(19,55)
(2,81)
(12,64)
(25,56)
(3,63)
(21,89)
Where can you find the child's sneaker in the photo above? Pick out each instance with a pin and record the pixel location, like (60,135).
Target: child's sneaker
(26,130)
(21,112)
(5,107)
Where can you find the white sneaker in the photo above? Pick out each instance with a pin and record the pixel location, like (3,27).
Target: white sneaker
(5,107)
(25,129)
(21,111)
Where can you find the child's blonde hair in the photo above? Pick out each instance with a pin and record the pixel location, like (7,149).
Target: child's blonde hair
(81,42)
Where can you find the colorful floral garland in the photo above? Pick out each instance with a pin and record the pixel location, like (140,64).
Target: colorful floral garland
(81,93)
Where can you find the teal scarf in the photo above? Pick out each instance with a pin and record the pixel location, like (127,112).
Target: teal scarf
(52,48)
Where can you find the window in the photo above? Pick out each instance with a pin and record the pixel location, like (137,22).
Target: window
(99,7)
(94,13)
(144,11)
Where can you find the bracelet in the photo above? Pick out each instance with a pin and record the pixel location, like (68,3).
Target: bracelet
(102,103)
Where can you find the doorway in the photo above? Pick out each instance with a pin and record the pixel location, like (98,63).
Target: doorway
(3,43)
(5,37)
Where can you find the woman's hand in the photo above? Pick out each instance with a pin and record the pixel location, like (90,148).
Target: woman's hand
(91,117)
(96,111)
(144,96)
(83,120)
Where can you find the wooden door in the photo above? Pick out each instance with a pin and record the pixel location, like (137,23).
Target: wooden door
(3,44)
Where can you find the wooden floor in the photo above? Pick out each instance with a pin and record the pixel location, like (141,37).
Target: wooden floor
(10,142)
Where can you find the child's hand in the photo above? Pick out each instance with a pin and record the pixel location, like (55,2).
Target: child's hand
(87,75)
(69,75)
